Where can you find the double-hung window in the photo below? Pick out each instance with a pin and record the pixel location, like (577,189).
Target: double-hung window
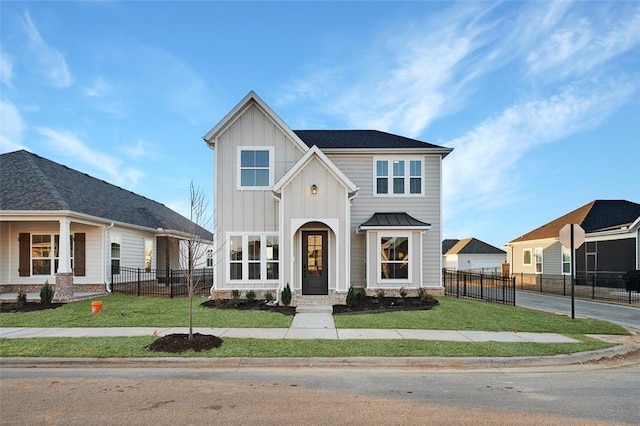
(394,259)
(398,177)
(43,252)
(253,257)
(537,254)
(526,257)
(566,260)
(255,167)
(115,254)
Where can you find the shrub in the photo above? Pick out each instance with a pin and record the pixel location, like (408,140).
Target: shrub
(403,292)
(421,293)
(235,296)
(380,293)
(268,296)
(285,295)
(21,299)
(46,294)
(352,298)
(250,295)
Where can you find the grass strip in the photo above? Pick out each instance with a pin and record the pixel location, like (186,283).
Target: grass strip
(125,347)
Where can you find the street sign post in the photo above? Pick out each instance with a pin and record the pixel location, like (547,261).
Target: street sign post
(572,236)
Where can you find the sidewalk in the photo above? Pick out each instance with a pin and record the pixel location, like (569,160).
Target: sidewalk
(305,325)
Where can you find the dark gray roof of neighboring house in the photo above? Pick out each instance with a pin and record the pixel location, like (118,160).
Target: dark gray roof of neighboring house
(29,182)
(447,244)
(360,139)
(473,246)
(595,216)
(381,220)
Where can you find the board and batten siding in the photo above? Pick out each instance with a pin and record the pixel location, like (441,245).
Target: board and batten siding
(247,210)
(329,205)
(427,208)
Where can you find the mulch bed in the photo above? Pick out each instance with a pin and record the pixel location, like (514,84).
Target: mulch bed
(11,307)
(246,305)
(180,343)
(370,305)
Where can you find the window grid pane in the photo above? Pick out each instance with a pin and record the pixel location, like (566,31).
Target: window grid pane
(254,168)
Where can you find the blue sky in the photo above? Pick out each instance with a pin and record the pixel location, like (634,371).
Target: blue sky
(540,100)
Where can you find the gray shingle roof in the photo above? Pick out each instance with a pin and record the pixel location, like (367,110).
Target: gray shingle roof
(29,182)
(447,244)
(383,220)
(594,216)
(359,139)
(472,246)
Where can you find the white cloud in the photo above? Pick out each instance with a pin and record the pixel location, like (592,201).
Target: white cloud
(582,43)
(51,62)
(6,68)
(98,88)
(483,166)
(141,149)
(12,128)
(70,145)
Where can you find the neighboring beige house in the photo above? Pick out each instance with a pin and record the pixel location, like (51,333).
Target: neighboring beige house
(65,227)
(322,210)
(471,254)
(611,246)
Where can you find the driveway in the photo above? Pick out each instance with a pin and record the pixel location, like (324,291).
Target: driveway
(626,316)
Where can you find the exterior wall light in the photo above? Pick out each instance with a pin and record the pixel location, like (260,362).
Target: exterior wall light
(314,189)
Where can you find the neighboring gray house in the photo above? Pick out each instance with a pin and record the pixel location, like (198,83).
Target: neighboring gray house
(322,210)
(612,229)
(56,222)
(471,254)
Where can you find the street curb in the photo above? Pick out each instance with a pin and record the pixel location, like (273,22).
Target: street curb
(317,362)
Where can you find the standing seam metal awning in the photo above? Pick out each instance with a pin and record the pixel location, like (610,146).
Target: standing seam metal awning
(399,220)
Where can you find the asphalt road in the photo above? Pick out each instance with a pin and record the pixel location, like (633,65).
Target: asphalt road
(627,316)
(584,395)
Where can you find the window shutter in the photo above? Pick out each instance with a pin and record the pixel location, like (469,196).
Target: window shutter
(79,254)
(24,255)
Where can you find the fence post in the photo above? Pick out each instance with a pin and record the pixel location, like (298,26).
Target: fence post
(593,286)
(481,288)
(564,285)
(521,280)
(514,291)
(170,278)
(138,281)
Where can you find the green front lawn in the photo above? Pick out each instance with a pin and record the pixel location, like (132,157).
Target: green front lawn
(130,311)
(462,314)
(451,314)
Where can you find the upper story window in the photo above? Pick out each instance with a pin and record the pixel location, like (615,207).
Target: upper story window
(255,167)
(398,177)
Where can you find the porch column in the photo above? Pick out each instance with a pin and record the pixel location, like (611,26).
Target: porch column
(64,249)
(64,275)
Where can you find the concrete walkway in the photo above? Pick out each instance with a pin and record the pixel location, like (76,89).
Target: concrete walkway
(308,323)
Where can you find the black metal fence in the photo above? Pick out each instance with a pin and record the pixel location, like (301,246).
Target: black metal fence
(472,285)
(608,286)
(160,282)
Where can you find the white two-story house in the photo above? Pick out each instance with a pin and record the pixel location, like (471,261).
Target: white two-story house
(322,210)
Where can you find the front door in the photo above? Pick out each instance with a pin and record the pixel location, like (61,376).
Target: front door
(314,262)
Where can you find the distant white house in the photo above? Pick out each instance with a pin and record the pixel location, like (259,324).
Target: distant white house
(471,254)
(612,242)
